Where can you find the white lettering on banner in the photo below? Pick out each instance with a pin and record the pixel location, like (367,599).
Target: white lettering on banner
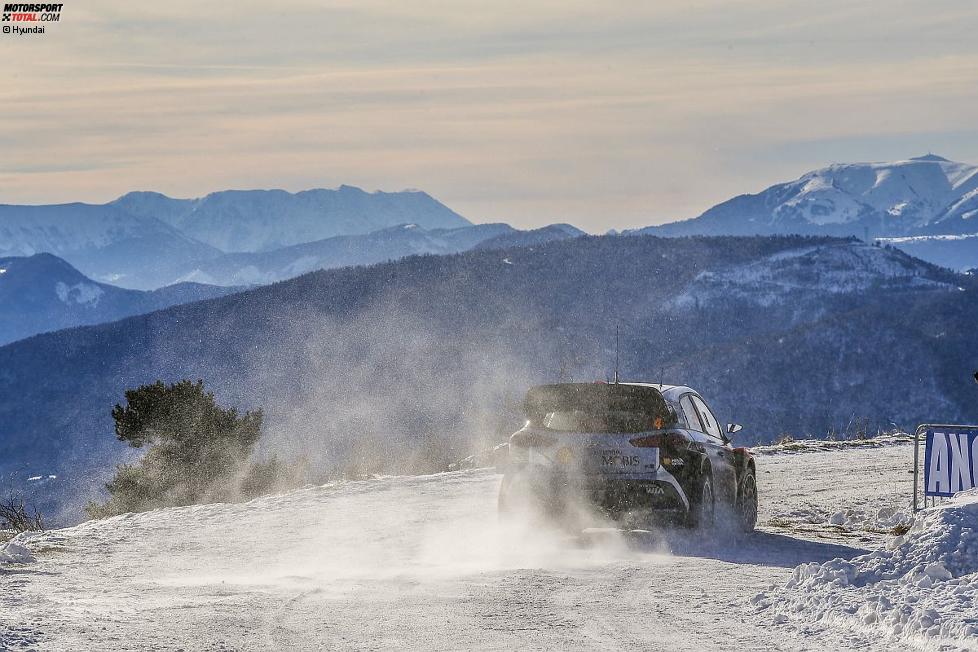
(960,463)
(938,480)
(974,459)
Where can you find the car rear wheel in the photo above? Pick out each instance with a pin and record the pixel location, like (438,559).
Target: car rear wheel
(521,492)
(747,502)
(522,498)
(702,510)
(513,494)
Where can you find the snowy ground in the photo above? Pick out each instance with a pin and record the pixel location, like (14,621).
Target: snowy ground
(422,562)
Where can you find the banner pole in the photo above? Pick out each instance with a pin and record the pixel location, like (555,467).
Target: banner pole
(916,465)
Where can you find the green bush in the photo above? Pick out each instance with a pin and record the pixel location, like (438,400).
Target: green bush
(198,452)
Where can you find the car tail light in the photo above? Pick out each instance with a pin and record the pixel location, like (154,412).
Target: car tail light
(532,440)
(667,440)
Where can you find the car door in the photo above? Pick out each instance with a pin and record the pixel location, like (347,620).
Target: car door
(720,452)
(695,428)
(692,418)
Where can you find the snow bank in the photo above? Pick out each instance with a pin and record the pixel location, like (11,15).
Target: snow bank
(822,445)
(14,552)
(864,518)
(921,589)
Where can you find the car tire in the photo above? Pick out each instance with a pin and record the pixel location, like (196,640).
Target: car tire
(509,494)
(521,499)
(702,508)
(519,494)
(747,502)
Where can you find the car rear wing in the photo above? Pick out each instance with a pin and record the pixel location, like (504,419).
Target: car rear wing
(569,396)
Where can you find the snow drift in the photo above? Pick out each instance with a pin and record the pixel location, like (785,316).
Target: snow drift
(922,588)
(14,552)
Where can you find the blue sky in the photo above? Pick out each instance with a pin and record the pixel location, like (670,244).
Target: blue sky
(605,115)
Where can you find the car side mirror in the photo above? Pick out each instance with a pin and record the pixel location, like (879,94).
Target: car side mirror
(733,428)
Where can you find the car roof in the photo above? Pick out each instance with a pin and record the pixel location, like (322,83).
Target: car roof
(670,392)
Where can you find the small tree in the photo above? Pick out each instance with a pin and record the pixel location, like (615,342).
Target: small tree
(15,515)
(198,451)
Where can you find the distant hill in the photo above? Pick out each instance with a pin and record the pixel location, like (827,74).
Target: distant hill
(923,195)
(264,267)
(103,242)
(340,251)
(42,293)
(261,220)
(955,251)
(398,365)
(531,237)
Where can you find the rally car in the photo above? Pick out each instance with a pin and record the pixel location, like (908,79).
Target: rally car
(628,451)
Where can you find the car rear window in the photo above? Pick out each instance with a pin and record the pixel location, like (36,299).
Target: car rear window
(578,407)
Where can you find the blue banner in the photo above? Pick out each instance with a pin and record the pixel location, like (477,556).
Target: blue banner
(950,460)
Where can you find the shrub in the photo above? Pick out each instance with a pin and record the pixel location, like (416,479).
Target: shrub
(198,451)
(15,515)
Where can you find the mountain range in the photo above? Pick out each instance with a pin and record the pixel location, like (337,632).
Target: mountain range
(262,220)
(68,265)
(43,293)
(387,244)
(424,359)
(102,241)
(146,240)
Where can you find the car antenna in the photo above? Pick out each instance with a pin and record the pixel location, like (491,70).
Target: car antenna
(617,326)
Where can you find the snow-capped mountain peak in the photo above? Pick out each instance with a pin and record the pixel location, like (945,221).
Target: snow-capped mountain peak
(904,197)
(920,187)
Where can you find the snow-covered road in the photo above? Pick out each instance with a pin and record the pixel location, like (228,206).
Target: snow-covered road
(422,562)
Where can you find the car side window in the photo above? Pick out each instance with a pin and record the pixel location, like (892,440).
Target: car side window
(709,421)
(689,413)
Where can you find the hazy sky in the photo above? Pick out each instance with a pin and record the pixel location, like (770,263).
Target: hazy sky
(606,115)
